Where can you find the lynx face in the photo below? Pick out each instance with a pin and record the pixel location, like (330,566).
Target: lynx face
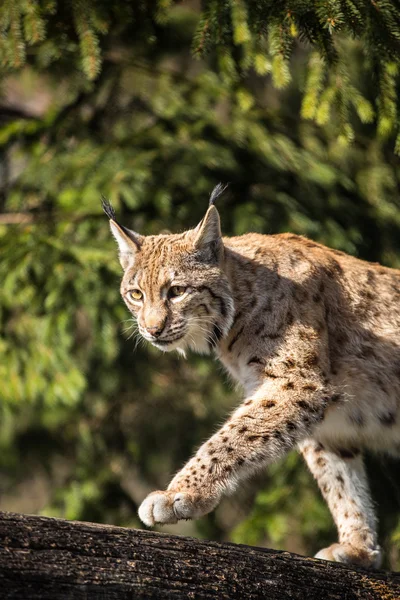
(175,287)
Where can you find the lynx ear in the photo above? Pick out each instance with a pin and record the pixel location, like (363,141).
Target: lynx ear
(208,238)
(129,242)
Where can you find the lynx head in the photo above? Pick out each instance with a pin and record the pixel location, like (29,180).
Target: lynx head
(175,284)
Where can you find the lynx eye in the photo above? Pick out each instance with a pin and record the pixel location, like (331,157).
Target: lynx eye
(176,290)
(135,295)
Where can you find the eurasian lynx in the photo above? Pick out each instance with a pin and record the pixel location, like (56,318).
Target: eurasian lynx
(313,336)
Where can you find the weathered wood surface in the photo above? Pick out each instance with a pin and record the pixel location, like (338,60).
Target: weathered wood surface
(56,559)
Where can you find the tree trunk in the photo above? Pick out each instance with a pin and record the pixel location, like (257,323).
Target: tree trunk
(42,558)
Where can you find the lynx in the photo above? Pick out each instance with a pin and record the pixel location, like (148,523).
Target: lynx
(310,333)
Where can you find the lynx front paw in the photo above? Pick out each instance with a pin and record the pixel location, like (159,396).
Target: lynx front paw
(168,507)
(345,553)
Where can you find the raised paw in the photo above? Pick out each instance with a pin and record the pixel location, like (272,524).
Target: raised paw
(168,507)
(369,558)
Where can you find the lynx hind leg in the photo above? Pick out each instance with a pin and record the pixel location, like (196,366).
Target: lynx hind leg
(341,477)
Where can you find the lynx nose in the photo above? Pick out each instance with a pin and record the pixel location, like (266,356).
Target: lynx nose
(154,321)
(155,330)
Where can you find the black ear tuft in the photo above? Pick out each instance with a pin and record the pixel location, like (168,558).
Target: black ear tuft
(108,209)
(217,192)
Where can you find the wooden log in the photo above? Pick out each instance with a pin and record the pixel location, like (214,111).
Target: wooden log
(43,558)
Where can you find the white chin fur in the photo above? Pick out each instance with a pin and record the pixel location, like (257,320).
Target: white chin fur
(178,345)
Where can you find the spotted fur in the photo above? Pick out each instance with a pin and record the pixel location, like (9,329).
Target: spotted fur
(310,333)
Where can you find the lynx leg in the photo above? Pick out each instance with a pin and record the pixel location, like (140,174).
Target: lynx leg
(341,477)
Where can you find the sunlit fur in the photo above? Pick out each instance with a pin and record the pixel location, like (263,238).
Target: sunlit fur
(313,337)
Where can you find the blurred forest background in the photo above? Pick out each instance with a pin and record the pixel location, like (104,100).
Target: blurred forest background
(151,103)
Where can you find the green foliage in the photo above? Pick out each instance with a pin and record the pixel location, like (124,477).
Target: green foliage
(121,108)
(267,35)
(247,35)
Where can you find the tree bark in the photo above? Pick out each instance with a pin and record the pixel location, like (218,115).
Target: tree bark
(42,558)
